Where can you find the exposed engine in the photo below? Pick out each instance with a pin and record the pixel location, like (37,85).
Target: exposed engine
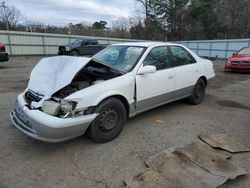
(91,74)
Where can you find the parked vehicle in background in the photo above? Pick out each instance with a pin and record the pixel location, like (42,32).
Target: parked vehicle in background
(3,54)
(67,96)
(81,47)
(240,61)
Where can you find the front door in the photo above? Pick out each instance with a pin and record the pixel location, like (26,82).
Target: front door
(155,89)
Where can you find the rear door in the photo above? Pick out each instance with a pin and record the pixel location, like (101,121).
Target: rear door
(186,69)
(153,89)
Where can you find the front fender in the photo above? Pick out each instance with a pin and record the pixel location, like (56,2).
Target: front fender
(92,96)
(99,99)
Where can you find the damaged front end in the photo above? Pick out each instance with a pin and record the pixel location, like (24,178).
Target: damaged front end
(56,105)
(43,110)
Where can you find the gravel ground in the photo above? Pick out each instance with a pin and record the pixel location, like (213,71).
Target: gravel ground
(25,162)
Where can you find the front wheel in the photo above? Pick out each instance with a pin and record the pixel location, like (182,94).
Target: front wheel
(198,93)
(110,121)
(74,53)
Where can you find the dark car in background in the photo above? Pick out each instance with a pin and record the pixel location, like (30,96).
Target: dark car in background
(81,47)
(240,61)
(3,54)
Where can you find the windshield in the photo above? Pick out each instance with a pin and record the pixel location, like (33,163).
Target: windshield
(244,51)
(76,41)
(123,58)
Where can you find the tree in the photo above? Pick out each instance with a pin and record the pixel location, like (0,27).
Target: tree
(99,25)
(11,15)
(121,27)
(172,16)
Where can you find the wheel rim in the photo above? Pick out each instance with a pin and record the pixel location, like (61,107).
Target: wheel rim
(199,92)
(74,53)
(109,118)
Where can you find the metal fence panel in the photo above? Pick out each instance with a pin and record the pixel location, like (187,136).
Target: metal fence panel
(216,48)
(203,53)
(26,43)
(237,45)
(27,50)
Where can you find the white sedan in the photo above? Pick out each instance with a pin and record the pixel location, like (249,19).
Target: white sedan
(68,96)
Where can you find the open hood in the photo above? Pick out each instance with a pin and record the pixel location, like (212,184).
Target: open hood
(53,73)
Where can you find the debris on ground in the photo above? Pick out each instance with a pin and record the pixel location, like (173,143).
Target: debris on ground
(214,161)
(181,171)
(159,121)
(148,179)
(223,141)
(193,165)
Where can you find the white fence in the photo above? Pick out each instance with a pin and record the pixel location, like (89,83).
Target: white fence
(26,43)
(216,48)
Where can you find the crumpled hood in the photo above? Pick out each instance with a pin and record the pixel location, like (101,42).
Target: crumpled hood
(53,73)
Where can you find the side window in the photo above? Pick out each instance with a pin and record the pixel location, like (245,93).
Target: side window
(159,57)
(85,43)
(181,56)
(94,42)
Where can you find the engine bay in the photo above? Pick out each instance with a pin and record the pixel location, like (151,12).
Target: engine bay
(93,73)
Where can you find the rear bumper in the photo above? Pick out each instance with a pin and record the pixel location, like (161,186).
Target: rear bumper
(44,127)
(4,56)
(236,68)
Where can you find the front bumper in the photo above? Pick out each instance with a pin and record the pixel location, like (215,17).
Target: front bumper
(4,56)
(44,127)
(236,68)
(63,53)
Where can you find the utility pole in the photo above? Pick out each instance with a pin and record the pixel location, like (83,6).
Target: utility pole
(6,18)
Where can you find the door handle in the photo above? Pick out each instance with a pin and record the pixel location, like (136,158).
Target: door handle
(171,76)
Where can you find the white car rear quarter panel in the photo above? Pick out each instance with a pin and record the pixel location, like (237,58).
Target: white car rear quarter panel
(207,68)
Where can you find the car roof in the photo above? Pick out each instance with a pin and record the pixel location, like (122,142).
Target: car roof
(142,44)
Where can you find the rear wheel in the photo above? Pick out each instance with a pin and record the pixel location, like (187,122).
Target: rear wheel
(198,93)
(110,121)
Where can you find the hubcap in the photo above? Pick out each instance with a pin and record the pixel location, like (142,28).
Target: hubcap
(199,91)
(109,118)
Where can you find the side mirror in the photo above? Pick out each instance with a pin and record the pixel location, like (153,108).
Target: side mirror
(234,54)
(148,69)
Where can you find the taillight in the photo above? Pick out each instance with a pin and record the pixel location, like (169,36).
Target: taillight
(2,48)
(229,62)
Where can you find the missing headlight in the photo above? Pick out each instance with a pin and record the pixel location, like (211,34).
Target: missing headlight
(51,107)
(59,108)
(67,107)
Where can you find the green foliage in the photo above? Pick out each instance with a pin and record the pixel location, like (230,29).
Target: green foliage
(198,19)
(99,25)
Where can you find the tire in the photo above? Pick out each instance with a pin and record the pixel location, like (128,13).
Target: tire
(110,121)
(198,93)
(74,53)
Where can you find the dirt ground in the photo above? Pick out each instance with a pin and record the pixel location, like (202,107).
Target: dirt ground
(25,162)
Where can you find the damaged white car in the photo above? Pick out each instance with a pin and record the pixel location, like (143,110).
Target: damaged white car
(68,96)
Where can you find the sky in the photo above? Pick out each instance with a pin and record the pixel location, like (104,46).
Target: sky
(62,12)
